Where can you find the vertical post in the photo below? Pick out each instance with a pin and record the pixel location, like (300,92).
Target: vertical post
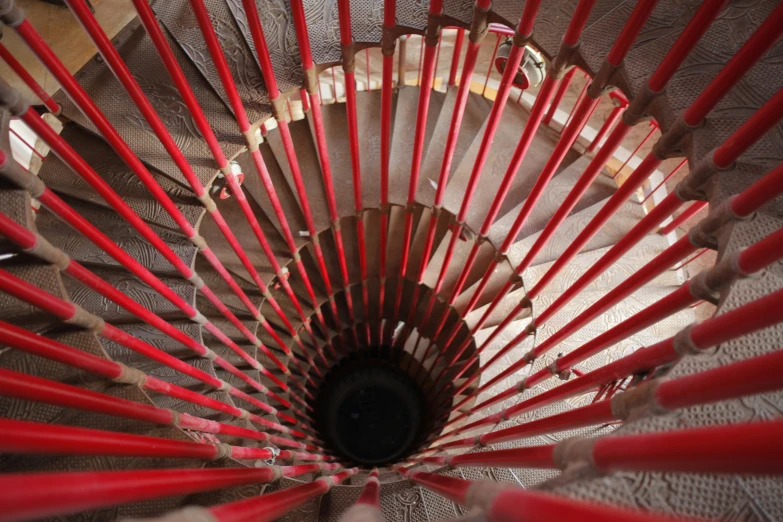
(348,55)
(28,79)
(561,90)
(491,64)
(620,103)
(455,56)
(432,43)
(674,171)
(388,43)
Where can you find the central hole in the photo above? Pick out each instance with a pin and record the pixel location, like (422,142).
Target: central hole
(369,411)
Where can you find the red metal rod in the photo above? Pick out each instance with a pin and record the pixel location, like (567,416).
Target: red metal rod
(387,84)
(468,66)
(346,38)
(25,143)
(739,379)
(515,505)
(591,415)
(669,305)
(684,216)
(453,489)
(751,51)
(561,90)
(744,449)
(21,437)
(428,70)
(755,127)
(567,139)
(85,103)
(303,40)
(491,64)
(38,495)
(536,457)
(674,171)
(270,81)
(227,81)
(653,128)
(759,194)
(27,387)
(455,56)
(67,312)
(755,258)
(371,492)
(525,29)
(304,98)
(735,323)
(536,115)
(578,101)
(268,507)
(630,30)
(28,79)
(613,117)
(121,71)
(28,240)
(30,343)
(60,208)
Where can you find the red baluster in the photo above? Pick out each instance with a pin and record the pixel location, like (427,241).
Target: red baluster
(687,214)
(28,79)
(455,56)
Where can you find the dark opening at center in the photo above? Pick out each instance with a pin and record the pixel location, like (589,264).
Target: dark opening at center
(369,411)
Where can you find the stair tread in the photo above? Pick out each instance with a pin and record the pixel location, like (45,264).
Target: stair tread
(477,110)
(505,142)
(17,206)
(404,136)
(105,162)
(178,18)
(310,171)
(612,231)
(116,229)
(288,71)
(638,256)
(133,288)
(551,198)
(368,121)
(144,63)
(335,123)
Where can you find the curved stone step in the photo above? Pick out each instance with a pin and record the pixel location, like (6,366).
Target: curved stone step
(178,18)
(115,228)
(105,162)
(144,63)
(404,136)
(499,157)
(551,198)
(476,112)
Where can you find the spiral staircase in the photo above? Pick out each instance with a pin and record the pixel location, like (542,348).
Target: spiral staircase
(235,288)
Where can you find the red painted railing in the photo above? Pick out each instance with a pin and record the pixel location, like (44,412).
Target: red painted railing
(750,448)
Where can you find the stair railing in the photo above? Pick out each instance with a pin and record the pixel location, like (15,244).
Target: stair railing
(762,39)
(15,18)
